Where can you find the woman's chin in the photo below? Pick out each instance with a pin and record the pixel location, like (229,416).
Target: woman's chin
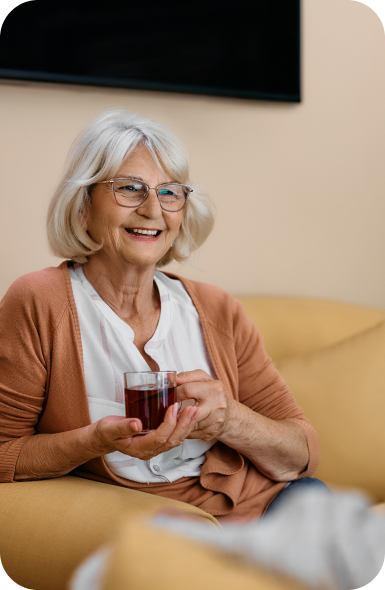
(140,258)
(144,251)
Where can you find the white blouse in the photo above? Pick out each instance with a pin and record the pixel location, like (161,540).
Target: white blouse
(109,351)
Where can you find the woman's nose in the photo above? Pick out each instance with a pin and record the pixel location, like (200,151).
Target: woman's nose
(150,207)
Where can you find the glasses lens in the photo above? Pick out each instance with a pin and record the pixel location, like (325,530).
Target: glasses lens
(172,197)
(128,192)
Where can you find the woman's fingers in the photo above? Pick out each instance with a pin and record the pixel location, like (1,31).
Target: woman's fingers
(122,427)
(197,375)
(109,430)
(185,425)
(171,433)
(197,391)
(210,398)
(156,439)
(193,384)
(118,433)
(201,390)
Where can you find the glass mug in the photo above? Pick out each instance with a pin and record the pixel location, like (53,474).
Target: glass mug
(148,395)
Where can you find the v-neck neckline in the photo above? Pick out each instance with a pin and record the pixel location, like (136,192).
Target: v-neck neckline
(165,318)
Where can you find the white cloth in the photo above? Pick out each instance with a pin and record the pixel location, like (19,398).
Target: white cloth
(325,541)
(109,352)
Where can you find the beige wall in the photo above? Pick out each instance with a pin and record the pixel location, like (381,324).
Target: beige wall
(299,189)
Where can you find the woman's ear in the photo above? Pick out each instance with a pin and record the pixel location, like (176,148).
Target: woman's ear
(83,216)
(85,208)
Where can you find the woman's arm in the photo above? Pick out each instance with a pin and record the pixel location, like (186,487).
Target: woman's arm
(278,448)
(44,456)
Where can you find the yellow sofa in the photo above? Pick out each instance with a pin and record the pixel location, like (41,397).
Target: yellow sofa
(332,355)
(333,358)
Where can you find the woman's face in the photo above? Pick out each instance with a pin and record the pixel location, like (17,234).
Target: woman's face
(108,221)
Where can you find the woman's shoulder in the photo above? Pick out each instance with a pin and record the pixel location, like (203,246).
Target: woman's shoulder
(42,287)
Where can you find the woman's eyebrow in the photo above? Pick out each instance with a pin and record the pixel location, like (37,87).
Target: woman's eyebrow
(140,178)
(132,177)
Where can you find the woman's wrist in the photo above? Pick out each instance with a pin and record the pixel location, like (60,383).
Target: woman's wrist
(93,441)
(53,455)
(278,448)
(231,427)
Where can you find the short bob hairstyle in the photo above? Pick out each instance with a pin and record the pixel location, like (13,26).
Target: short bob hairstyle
(97,154)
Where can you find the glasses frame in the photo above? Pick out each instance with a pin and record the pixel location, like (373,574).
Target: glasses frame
(156,188)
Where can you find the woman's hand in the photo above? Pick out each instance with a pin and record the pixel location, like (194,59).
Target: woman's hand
(278,448)
(114,433)
(214,406)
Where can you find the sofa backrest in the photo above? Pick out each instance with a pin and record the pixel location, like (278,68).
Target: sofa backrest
(297,325)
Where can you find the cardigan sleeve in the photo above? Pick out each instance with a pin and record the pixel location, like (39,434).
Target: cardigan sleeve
(23,373)
(262,388)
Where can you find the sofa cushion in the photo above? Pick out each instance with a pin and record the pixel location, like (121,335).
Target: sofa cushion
(342,392)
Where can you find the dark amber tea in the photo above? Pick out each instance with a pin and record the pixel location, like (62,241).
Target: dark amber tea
(149,403)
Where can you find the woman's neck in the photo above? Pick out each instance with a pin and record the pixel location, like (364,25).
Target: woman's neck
(128,289)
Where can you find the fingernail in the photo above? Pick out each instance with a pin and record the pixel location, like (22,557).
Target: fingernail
(175,409)
(134,426)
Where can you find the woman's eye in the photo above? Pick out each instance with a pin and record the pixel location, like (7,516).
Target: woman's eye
(167,192)
(133,188)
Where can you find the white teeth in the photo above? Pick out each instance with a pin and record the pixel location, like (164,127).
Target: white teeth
(145,231)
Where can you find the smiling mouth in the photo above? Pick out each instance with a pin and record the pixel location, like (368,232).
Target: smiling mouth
(143,233)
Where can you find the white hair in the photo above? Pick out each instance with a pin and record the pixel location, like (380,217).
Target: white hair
(97,154)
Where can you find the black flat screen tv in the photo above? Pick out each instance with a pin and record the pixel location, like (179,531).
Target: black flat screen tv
(245,48)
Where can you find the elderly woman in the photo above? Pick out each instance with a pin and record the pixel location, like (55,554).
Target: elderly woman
(123,209)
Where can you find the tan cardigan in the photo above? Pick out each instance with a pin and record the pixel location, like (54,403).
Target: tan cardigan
(43,389)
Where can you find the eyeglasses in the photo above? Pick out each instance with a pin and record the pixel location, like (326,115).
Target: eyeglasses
(131,192)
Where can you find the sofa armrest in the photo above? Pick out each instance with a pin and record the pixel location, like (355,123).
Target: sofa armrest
(48,527)
(177,562)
